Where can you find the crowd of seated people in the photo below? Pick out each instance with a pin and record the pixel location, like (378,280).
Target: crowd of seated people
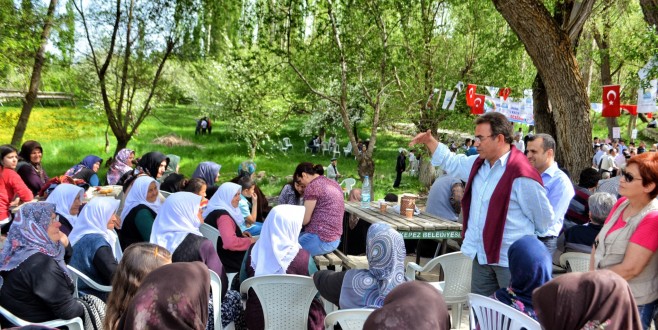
(130,242)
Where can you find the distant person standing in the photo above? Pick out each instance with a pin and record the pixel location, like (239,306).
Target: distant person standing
(518,143)
(332,170)
(400,166)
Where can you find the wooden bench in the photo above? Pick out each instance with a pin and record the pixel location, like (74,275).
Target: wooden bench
(352,262)
(329,259)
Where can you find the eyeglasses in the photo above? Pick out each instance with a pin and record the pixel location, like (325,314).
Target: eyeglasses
(628,177)
(479,138)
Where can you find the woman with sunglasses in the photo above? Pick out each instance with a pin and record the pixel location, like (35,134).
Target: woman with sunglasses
(627,243)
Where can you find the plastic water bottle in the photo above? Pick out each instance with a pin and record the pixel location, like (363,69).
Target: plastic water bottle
(365,193)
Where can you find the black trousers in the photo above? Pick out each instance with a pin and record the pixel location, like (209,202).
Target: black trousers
(398,178)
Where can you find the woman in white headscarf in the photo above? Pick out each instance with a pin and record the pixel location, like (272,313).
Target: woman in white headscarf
(95,249)
(67,199)
(177,229)
(279,252)
(139,211)
(224,214)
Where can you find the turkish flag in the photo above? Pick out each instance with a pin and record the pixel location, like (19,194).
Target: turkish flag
(504,93)
(631,108)
(611,101)
(649,115)
(470,94)
(478,105)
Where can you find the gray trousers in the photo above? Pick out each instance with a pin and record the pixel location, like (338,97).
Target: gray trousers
(486,279)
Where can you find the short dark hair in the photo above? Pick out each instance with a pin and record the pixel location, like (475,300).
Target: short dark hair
(499,125)
(589,178)
(308,168)
(5,150)
(195,185)
(547,141)
(246,182)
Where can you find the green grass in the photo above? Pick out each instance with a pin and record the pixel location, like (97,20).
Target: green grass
(69,133)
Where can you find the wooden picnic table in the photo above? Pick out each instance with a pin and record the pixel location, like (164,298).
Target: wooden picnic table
(422,226)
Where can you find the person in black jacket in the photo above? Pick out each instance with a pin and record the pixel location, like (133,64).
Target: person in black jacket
(35,285)
(400,166)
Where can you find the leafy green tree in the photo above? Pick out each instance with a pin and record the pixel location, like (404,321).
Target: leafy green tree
(129,44)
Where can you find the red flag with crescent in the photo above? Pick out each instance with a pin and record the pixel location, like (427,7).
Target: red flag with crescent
(611,101)
(504,93)
(470,94)
(631,108)
(478,105)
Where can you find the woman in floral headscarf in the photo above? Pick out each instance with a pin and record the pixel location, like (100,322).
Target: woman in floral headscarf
(35,285)
(122,164)
(367,288)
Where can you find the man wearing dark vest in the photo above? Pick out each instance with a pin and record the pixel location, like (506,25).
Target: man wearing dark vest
(504,198)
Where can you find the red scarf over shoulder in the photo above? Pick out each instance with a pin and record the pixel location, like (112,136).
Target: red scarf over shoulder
(492,237)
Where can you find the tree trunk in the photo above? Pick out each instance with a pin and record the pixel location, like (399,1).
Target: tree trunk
(601,40)
(544,121)
(35,80)
(551,51)
(122,142)
(650,10)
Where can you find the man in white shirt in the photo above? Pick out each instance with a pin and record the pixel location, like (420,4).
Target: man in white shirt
(518,143)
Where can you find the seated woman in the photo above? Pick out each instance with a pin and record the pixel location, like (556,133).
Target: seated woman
(172,167)
(367,288)
(249,210)
(86,170)
(177,229)
(292,193)
(137,262)
(278,252)
(324,203)
(141,207)
(122,164)
(173,296)
(95,250)
(414,304)
(530,267)
(10,183)
(151,164)
(68,199)
(29,166)
(35,283)
(209,172)
(591,300)
(223,213)
(174,183)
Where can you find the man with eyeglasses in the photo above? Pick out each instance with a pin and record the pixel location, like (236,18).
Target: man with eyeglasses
(559,189)
(504,198)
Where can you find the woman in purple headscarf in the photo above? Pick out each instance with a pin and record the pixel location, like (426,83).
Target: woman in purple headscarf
(123,163)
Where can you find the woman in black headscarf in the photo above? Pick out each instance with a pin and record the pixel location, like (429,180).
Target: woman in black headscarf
(29,166)
(153,164)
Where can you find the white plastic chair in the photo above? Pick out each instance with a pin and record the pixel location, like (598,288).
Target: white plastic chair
(457,285)
(336,152)
(72,324)
(210,233)
(216,287)
(325,147)
(286,143)
(575,261)
(494,315)
(282,147)
(349,319)
(285,299)
(78,275)
(165,194)
(348,150)
(349,183)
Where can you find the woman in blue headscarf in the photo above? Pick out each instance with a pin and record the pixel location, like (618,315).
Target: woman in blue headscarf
(530,266)
(87,170)
(209,172)
(367,288)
